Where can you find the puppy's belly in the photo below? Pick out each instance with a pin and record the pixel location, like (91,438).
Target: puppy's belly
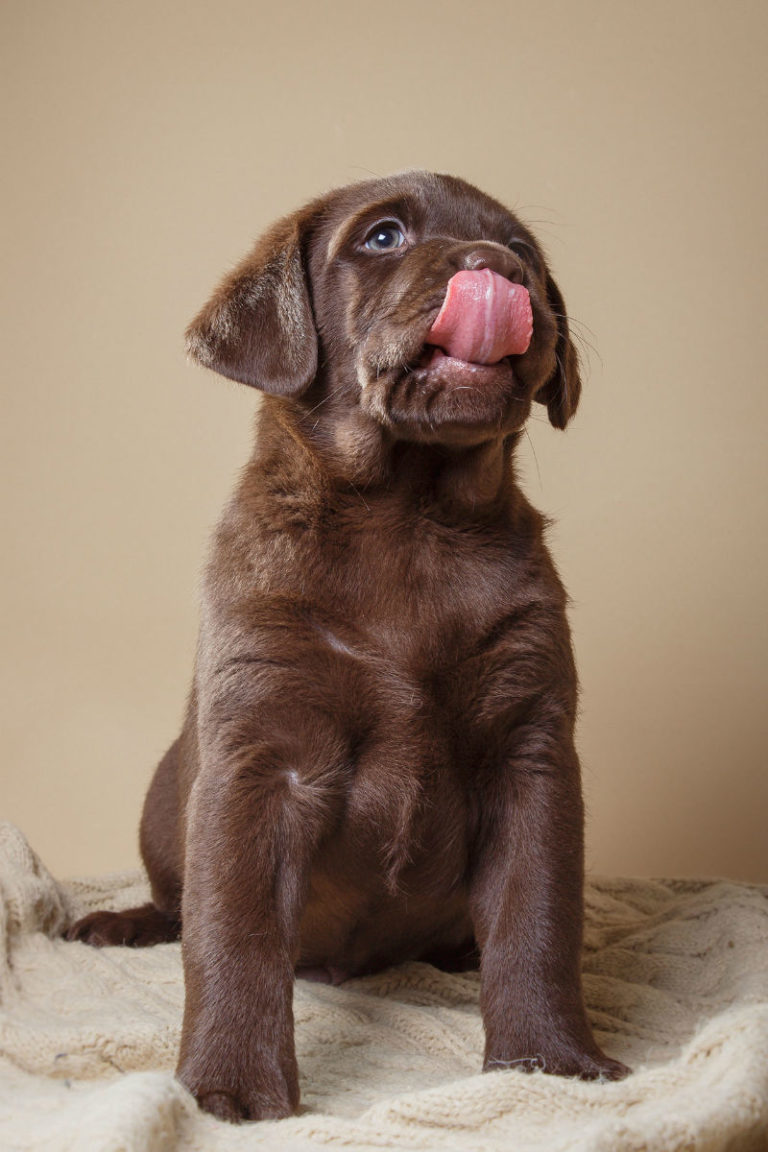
(350,929)
(390,884)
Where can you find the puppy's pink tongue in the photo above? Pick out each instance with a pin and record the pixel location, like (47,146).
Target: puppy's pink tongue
(484,318)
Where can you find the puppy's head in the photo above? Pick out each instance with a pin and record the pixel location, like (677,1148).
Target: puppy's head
(339,300)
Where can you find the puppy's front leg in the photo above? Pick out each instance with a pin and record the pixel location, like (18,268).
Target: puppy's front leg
(258,809)
(527,908)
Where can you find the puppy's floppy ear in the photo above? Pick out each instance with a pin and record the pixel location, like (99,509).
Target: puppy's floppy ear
(258,326)
(561,392)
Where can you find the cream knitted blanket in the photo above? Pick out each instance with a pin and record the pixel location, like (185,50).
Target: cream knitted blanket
(676,978)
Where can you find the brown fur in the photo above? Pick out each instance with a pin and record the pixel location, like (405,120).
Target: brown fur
(377,762)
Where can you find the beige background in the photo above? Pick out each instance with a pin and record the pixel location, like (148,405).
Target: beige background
(146,144)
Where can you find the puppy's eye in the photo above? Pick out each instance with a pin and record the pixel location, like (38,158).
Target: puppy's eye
(384,237)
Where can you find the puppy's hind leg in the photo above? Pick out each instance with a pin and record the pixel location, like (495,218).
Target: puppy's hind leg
(158,922)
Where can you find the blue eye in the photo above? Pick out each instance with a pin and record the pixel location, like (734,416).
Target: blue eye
(384,238)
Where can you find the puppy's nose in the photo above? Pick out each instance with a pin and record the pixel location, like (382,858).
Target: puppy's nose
(474,257)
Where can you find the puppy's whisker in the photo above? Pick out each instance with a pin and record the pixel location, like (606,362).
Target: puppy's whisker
(359,493)
(324,400)
(580,328)
(368,171)
(533,450)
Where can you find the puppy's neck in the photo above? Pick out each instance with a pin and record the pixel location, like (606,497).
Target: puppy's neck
(348,449)
(465,481)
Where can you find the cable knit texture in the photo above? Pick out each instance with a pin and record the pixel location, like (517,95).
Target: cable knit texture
(676,981)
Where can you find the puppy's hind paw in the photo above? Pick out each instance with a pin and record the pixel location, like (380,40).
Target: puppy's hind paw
(137,927)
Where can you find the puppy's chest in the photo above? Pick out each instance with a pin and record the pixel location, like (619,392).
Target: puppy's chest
(413,590)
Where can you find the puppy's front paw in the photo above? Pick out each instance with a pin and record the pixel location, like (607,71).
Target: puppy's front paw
(605,1068)
(226,1106)
(236,1096)
(559,1059)
(236,1106)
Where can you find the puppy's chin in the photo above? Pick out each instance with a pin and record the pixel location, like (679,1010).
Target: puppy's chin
(443,400)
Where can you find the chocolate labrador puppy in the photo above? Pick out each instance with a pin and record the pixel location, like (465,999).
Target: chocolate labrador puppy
(377,762)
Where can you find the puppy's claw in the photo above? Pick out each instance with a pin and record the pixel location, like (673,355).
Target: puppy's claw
(613,1070)
(223,1107)
(228,1106)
